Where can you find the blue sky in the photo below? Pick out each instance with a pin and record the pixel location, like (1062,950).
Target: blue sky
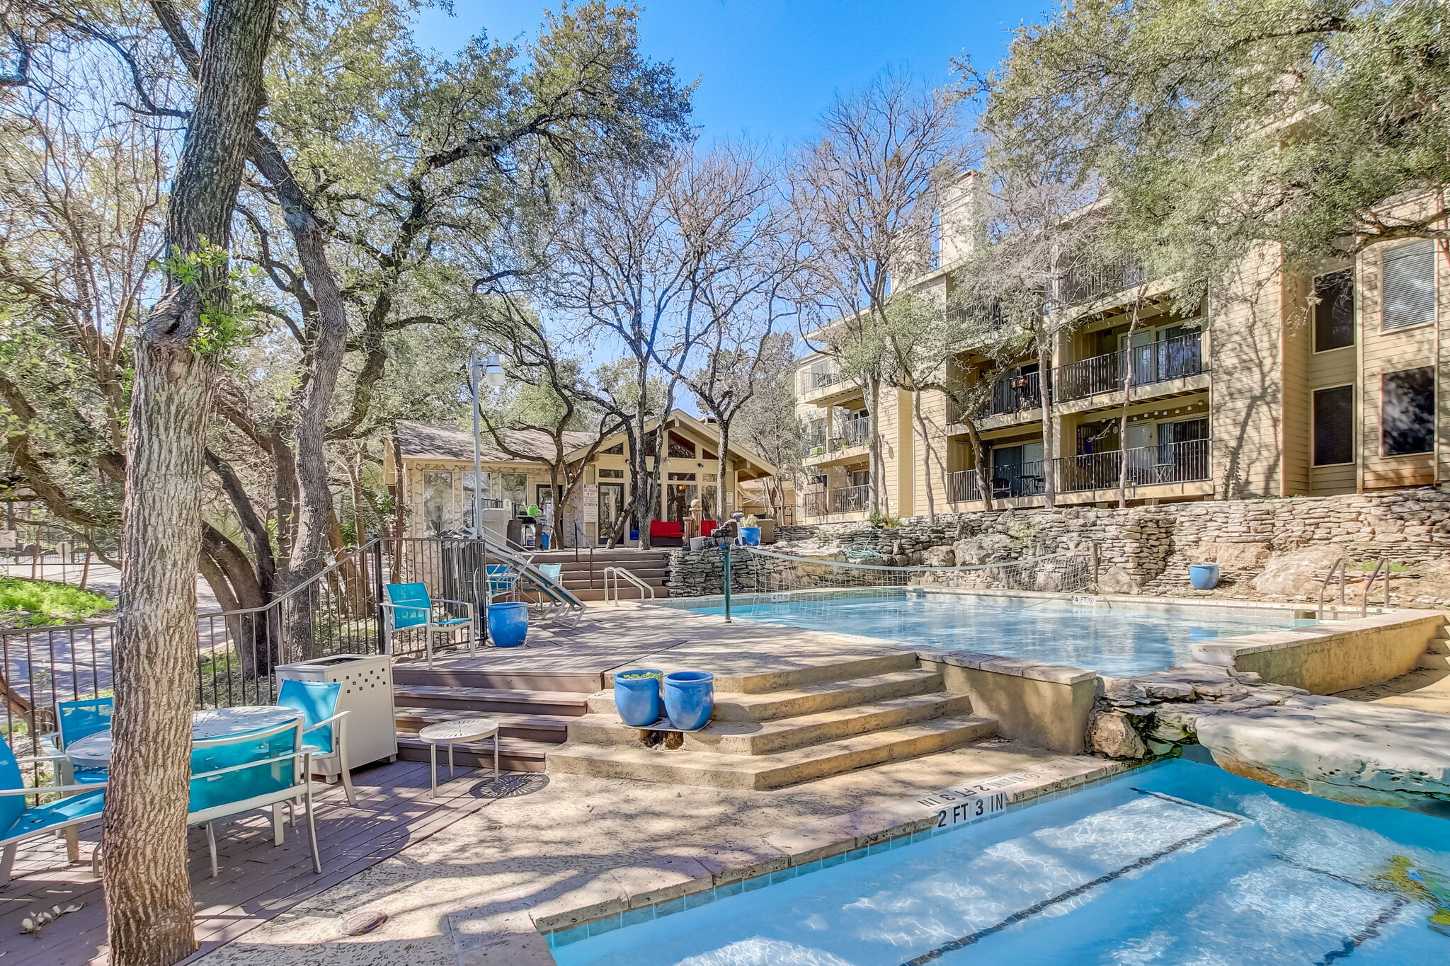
(767,68)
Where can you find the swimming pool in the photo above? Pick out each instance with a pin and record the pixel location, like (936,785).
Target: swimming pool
(1112,639)
(1176,863)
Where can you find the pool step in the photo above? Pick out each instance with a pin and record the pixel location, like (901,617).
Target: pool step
(783,734)
(1435,662)
(691,766)
(808,698)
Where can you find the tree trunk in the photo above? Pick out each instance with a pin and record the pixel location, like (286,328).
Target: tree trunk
(722,433)
(147,887)
(1049,425)
(979,459)
(1123,413)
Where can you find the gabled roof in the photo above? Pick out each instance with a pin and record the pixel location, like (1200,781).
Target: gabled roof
(678,417)
(422,441)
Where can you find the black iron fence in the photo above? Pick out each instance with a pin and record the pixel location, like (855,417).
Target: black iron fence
(1154,362)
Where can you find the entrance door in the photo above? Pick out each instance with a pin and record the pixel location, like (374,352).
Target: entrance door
(611,504)
(1141,453)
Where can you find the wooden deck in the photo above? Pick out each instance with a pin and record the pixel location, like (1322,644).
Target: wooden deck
(257,882)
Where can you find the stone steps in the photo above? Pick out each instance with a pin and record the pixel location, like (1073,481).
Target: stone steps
(784,734)
(809,698)
(729,683)
(766,771)
(545,728)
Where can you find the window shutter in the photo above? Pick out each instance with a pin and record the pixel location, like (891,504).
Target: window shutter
(1409,285)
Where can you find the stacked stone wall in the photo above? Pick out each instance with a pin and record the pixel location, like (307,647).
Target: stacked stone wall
(1143,548)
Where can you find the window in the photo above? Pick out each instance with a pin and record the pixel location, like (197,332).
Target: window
(1334,426)
(516,490)
(1334,311)
(1407,412)
(605,473)
(681,448)
(437,498)
(1409,285)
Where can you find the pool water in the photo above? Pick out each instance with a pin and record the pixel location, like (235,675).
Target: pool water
(1109,639)
(1179,863)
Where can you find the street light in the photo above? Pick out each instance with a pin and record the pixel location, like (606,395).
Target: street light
(481,369)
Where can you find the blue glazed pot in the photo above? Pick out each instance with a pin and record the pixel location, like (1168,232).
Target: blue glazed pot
(689,699)
(1203,576)
(750,536)
(508,623)
(637,697)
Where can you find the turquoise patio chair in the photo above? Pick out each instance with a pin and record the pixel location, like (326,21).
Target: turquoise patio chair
(242,773)
(503,580)
(324,728)
(409,608)
(20,821)
(80,719)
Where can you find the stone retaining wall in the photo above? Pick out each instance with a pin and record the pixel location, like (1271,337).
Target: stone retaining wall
(1145,548)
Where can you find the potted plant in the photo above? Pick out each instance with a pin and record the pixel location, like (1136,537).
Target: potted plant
(637,696)
(750,531)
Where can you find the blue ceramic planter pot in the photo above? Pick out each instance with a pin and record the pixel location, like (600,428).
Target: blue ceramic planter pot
(750,536)
(689,699)
(508,624)
(1203,576)
(637,697)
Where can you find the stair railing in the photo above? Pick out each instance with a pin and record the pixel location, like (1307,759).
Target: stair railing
(629,577)
(1338,568)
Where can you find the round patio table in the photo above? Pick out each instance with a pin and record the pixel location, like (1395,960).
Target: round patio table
(94,751)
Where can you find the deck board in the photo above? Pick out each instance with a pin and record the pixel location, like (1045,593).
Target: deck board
(257,882)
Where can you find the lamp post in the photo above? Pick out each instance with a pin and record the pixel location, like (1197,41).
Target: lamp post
(480,369)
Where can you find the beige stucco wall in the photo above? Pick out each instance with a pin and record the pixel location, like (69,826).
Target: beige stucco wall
(1042,705)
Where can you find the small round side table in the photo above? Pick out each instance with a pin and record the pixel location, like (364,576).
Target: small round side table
(450,732)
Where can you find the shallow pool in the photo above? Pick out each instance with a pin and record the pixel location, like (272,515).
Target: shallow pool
(1179,863)
(1112,639)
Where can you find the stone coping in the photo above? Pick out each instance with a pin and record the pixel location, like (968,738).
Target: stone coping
(997,664)
(1280,640)
(836,840)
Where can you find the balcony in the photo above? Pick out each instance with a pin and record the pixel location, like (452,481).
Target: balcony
(843,499)
(1088,284)
(1165,463)
(847,435)
(1156,362)
(1012,394)
(963,487)
(825,385)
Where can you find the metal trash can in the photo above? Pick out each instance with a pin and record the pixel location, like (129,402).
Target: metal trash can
(367,697)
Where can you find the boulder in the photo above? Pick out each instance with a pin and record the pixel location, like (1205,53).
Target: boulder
(968,552)
(939,557)
(1116,580)
(1298,573)
(1367,754)
(1110,735)
(1238,556)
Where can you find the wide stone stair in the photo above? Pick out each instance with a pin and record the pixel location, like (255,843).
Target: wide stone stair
(533,709)
(583,571)
(784,728)
(1437,655)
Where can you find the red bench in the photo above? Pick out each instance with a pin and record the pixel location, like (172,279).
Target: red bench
(674,530)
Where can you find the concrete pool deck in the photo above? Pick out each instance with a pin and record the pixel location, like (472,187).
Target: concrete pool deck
(579,847)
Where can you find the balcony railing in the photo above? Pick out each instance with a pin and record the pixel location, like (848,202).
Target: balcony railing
(821,378)
(813,503)
(1085,284)
(849,499)
(851,432)
(1184,462)
(1155,362)
(963,486)
(1012,394)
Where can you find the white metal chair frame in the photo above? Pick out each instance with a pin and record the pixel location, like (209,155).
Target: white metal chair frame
(300,788)
(11,845)
(339,751)
(433,625)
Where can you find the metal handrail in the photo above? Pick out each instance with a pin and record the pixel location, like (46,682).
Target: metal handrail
(275,602)
(1381,566)
(629,577)
(1338,568)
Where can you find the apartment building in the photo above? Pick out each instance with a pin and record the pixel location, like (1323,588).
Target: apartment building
(1259,392)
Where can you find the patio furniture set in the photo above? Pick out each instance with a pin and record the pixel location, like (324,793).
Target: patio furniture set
(242,759)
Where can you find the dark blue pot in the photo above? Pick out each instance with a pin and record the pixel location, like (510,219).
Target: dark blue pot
(1203,576)
(689,699)
(508,624)
(637,697)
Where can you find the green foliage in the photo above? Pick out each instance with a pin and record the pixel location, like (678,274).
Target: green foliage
(42,603)
(883,521)
(227,307)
